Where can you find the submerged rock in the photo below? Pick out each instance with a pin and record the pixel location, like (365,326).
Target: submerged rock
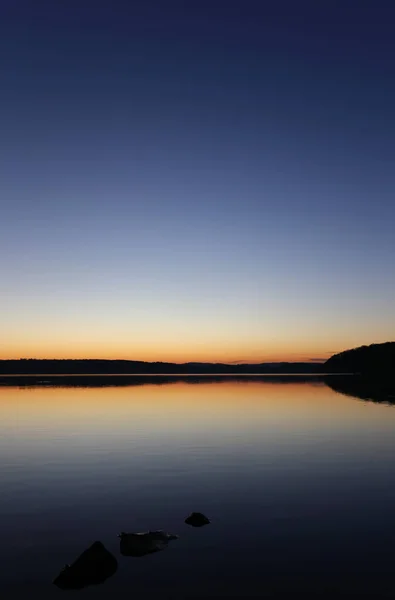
(140,544)
(92,567)
(197,519)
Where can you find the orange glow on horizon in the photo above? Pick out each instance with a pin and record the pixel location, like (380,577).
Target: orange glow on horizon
(179,342)
(178,361)
(168,356)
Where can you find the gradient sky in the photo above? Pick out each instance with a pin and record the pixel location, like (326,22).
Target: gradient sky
(196,180)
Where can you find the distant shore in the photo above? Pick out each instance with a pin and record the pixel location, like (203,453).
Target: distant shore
(33,366)
(371,366)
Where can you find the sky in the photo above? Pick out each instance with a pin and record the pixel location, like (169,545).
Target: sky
(196,180)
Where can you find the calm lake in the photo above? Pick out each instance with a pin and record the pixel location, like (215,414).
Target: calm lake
(297,479)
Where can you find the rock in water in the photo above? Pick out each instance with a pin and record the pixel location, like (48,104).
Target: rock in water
(93,566)
(197,519)
(140,544)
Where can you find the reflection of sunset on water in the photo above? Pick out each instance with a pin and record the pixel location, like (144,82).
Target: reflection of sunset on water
(179,406)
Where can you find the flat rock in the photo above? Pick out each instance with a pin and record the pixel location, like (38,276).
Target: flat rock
(140,544)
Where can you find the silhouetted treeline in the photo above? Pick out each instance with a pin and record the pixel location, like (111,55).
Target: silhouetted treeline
(373,360)
(130,367)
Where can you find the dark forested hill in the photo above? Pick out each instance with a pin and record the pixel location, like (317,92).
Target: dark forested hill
(377,359)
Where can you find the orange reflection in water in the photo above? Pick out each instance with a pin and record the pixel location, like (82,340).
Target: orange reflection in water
(176,405)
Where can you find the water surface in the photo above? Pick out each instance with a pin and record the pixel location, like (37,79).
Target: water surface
(299,482)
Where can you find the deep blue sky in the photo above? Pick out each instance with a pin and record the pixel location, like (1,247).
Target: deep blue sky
(191,180)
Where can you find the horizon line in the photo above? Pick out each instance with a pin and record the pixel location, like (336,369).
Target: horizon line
(230,363)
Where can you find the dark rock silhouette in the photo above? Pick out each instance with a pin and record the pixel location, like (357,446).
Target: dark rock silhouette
(374,360)
(197,519)
(92,567)
(140,544)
